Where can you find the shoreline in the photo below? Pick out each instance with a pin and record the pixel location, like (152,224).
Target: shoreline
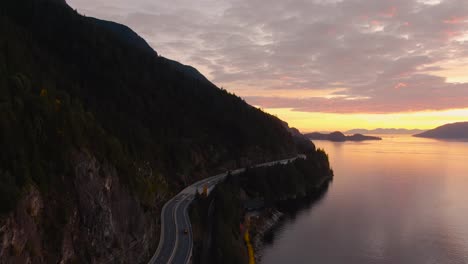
(270,223)
(272,217)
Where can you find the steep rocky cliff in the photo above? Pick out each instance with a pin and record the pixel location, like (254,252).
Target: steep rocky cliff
(97,134)
(98,221)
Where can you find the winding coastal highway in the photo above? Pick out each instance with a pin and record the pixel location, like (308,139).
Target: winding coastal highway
(176,242)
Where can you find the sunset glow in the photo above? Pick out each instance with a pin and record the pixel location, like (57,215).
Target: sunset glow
(309,122)
(319,65)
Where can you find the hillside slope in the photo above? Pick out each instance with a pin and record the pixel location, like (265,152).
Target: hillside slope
(154,109)
(97,134)
(449,131)
(127,35)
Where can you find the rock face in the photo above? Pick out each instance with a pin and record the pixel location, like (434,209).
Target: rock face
(75,83)
(101,218)
(19,232)
(340,137)
(449,131)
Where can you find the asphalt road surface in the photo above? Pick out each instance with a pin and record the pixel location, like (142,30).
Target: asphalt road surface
(176,242)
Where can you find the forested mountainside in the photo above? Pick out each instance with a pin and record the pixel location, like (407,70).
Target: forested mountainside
(97,132)
(216,217)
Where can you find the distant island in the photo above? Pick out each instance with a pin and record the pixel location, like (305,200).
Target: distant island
(383,131)
(448,131)
(340,137)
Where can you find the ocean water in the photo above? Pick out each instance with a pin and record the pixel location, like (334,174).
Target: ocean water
(402,200)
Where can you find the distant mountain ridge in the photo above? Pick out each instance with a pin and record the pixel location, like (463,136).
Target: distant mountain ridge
(448,131)
(340,137)
(394,131)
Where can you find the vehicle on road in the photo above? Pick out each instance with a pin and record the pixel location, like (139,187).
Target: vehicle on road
(187,195)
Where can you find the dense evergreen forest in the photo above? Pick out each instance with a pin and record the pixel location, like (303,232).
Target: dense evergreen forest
(274,184)
(69,82)
(97,132)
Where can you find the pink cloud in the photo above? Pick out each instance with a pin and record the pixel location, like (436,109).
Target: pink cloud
(391,12)
(456,20)
(364,17)
(286,78)
(384,51)
(369,106)
(450,34)
(400,85)
(331,32)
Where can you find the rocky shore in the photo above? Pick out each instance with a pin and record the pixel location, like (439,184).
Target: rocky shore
(263,224)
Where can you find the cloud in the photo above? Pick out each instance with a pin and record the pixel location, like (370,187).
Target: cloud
(381,56)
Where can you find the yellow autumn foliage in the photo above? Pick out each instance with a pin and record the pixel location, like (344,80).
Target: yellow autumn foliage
(249,247)
(43,93)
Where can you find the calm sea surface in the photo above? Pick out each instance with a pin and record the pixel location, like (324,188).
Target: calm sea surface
(402,200)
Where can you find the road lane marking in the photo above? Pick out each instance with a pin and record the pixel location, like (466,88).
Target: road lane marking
(176,232)
(186,193)
(187,222)
(161,237)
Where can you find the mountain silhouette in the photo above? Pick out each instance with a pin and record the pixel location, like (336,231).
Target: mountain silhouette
(340,137)
(448,131)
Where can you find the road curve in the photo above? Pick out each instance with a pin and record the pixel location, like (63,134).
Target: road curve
(176,241)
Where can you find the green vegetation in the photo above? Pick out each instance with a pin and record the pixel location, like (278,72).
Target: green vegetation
(296,179)
(227,245)
(69,83)
(38,129)
(285,181)
(159,113)
(227,239)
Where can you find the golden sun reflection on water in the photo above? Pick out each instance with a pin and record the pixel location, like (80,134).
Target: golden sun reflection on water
(400,200)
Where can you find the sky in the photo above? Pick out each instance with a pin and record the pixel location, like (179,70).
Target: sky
(317,64)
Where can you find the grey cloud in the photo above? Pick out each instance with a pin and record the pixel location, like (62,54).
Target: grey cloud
(383,51)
